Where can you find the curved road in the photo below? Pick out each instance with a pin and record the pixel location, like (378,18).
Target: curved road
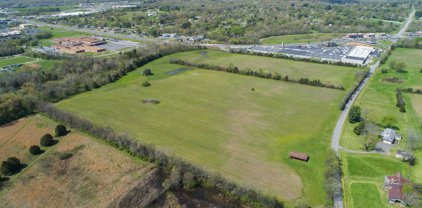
(335,140)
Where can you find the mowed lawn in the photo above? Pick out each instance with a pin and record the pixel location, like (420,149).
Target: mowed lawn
(374,165)
(301,38)
(378,99)
(366,195)
(15,60)
(330,74)
(364,178)
(215,120)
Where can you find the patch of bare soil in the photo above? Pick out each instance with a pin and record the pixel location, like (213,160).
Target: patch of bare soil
(393,80)
(32,66)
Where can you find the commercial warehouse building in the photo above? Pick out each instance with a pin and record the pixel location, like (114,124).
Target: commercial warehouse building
(358,55)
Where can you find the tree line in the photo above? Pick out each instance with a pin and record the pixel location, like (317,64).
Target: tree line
(332,174)
(260,74)
(400,101)
(349,95)
(187,174)
(285,56)
(21,90)
(410,43)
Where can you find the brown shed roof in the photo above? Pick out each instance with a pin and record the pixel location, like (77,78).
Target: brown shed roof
(299,156)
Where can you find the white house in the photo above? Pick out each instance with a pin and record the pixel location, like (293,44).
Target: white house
(390,135)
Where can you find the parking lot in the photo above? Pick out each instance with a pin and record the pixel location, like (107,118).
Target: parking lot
(115,45)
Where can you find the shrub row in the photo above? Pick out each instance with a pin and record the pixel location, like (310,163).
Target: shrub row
(400,101)
(152,154)
(349,95)
(260,74)
(411,90)
(284,56)
(332,174)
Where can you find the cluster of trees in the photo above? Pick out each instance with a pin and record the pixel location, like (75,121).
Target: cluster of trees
(412,194)
(355,114)
(9,48)
(13,165)
(21,91)
(332,175)
(231,21)
(398,66)
(411,90)
(14,46)
(410,43)
(185,175)
(284,56)
(260,73)
(400,101)
(365,128)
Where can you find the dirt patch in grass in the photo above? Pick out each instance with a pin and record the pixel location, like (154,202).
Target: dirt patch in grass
(32,66)
(393,80)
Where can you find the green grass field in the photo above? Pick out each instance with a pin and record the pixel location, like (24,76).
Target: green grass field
(15,60)
(374,165)
(366,195)
(301,38)
(215,120)
(60,33)
(337,75)
(378,99)
(363,178)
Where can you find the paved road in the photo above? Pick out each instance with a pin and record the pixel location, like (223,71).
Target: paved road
(406,25)
(96,32)
(335,140)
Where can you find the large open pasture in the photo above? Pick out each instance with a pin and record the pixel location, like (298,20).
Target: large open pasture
(330,74)
(301,38)
(95,176)
(215,120)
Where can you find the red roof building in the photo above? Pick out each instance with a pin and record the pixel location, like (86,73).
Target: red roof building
(394,185)
(299,156)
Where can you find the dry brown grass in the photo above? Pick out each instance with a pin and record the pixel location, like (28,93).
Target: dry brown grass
(18,136)
(32,66)
(94,176)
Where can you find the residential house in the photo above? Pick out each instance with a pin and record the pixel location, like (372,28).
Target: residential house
(389,136)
